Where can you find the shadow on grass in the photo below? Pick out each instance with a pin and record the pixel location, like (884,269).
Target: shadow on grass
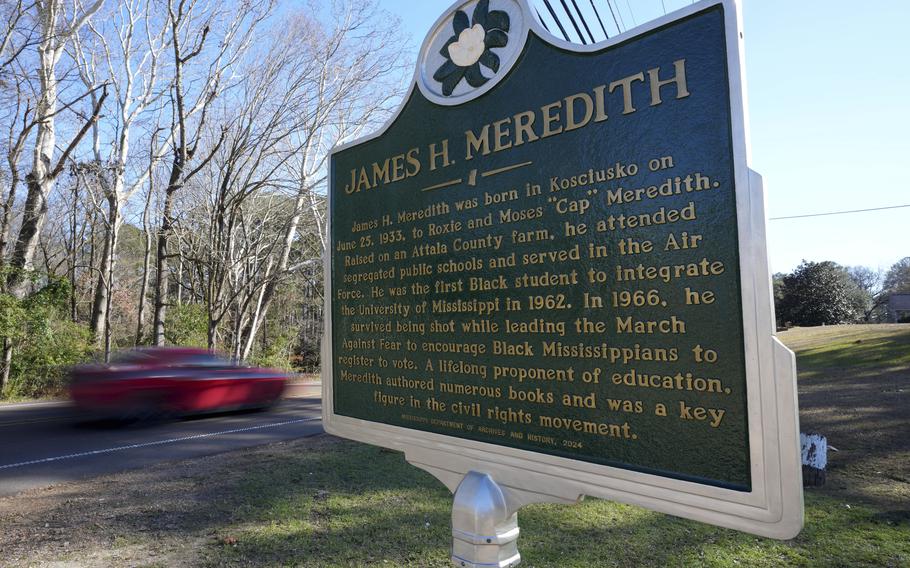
(887,351)
(854,388)
(383,512)
(328,502)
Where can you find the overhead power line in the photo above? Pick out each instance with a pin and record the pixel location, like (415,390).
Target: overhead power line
(539,17)
(612,13)
(838,212)
(631,13)
(584,22)
(556,19)
(618,13)
(572,19)
(606,35)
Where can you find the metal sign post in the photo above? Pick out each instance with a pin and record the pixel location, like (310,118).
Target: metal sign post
(484,526)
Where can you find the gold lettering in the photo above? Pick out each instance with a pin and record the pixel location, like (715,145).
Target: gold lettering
(413,162)
(626,85)
(599,105)
(523,123)
(474,143)
(364,180)
(444,153)
(381,173)
(398,167)
(499,133)
(679,78)
(548,119)
(571,123)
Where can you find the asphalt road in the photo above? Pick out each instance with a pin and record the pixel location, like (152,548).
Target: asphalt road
(45,444)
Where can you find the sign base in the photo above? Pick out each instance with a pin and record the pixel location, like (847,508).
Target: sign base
(484,527)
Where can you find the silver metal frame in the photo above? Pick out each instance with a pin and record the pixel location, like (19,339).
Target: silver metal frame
(484,524)
(774,506)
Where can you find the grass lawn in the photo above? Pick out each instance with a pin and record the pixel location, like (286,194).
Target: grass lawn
(854,388)
(328,502)
(849,347)
(364,506)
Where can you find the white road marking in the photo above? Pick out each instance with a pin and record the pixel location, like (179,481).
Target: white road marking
(157,443)
(15,405)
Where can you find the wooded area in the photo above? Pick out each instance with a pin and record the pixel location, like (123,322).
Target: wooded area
(165,169)
(826,293)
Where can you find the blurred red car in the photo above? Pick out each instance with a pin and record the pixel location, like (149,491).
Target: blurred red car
(157,382)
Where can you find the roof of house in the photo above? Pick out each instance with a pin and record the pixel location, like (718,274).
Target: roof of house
(899,302)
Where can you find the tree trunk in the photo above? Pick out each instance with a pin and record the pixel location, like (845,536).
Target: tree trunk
(100,316)
(180,281)
(5,217)
(248,335)
(41,179)
(33,216)
(265,299)
(162,279)
(161,271)
(7,362)
(92,220)
(146,265)
(212,335)
(74,314)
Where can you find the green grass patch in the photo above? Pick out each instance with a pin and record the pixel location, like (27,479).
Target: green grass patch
(326,502)
(849,346)
(348,504)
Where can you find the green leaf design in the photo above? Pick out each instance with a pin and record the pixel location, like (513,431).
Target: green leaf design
(490,60)
(480,13)
(460,22)
(474,77)
(497,20)
(449,83)
(445,48)
(445,70)
(496,38)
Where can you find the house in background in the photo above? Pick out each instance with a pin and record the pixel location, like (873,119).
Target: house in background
(899,308)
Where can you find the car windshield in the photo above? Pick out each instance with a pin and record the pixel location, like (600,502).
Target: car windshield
(169,357)
(202,360)
(131,358)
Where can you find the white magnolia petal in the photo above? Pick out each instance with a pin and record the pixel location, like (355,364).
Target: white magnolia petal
(469,47)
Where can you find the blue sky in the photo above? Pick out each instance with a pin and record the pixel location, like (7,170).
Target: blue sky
(828,97)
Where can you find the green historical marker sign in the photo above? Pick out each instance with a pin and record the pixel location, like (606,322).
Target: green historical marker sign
(552,262)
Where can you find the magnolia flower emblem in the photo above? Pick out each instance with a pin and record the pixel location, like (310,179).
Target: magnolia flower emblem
(471,46)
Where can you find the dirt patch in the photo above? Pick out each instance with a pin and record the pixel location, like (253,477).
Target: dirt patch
(166,515)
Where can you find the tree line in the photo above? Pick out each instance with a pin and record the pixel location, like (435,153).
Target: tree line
(826,293)
(165,169)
